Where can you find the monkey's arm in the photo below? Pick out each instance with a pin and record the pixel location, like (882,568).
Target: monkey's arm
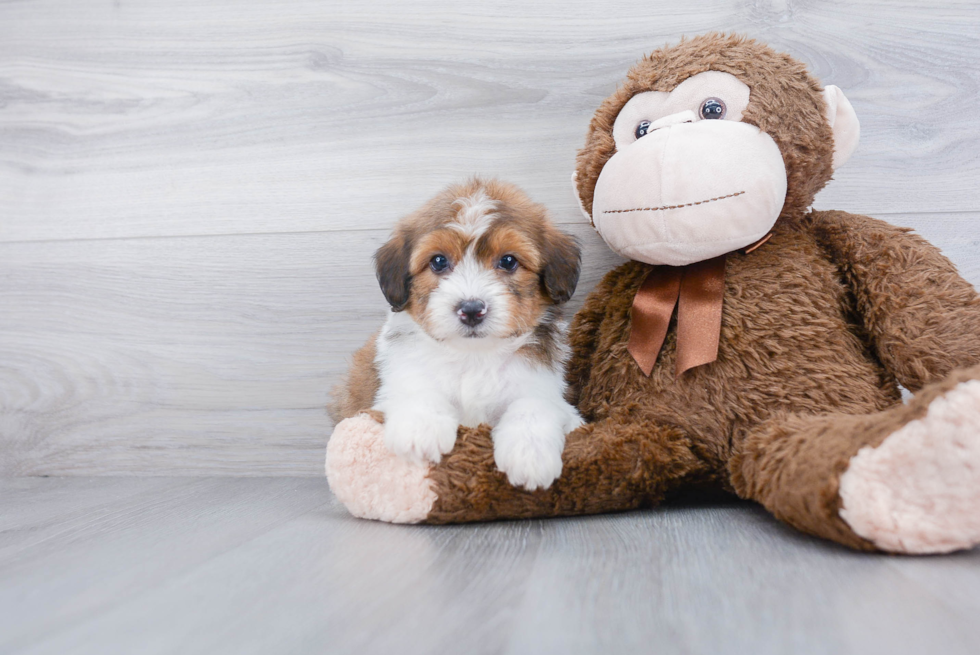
(624,461)
(621,462)
(922,318)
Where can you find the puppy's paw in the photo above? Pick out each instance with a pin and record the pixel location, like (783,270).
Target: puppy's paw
(529,452)
(420,436)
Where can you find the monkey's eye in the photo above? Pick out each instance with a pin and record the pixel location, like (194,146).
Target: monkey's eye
(641,129)
(439,263)
(712,108)
(508,263)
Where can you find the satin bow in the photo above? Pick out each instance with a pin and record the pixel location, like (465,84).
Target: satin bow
(697,290)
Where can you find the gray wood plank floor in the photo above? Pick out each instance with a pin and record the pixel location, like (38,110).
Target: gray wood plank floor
(275,565)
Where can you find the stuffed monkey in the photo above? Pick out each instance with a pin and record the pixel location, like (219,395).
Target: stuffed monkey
(750,344)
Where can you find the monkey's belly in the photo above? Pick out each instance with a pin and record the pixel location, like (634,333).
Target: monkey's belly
(787,345)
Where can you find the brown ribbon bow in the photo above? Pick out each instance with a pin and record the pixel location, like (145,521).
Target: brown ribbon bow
(697,290)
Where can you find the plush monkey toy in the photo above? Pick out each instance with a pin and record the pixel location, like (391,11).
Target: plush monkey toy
(750,344)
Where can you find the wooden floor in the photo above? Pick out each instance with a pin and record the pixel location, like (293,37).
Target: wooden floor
(275,565)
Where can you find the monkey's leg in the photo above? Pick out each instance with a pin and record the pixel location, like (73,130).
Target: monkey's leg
(616,464)
(905,480)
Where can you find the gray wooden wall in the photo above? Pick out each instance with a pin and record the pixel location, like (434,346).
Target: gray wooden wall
(190,192)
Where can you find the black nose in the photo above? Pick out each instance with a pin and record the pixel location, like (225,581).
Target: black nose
(471,312)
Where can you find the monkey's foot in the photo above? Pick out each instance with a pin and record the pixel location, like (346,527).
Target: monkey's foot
(919,490)
(372,482)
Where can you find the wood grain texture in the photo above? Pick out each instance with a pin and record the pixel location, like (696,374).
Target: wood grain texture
(270,565)
(190,192)
(186,355)
(210,355)
(175,118)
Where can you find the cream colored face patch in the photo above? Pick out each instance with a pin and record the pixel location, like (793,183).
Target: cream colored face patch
(689,180)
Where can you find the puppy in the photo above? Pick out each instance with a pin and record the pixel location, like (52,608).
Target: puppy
(475,279)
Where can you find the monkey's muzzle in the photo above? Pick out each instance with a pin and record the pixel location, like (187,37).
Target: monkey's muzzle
(689,192)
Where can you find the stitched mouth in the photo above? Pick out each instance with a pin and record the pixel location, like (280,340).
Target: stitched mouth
(656,209)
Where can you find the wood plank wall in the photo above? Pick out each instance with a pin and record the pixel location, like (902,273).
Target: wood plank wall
(190,192)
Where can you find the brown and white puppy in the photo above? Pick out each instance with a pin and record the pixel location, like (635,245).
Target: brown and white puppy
(475,279)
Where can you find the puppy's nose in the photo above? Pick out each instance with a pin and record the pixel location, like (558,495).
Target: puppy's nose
(471,312)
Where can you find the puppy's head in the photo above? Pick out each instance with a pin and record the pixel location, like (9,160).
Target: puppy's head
(478,261)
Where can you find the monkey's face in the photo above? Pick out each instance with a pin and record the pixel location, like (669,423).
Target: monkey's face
(685,163)
(689,181)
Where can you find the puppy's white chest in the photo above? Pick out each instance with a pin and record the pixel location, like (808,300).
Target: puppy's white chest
(478,384)
(480,395)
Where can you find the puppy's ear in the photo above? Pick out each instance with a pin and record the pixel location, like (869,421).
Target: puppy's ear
(561,262)
(391,265)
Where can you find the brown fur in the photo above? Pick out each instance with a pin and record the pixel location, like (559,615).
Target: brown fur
(819,326)
(792,464)
(355,393)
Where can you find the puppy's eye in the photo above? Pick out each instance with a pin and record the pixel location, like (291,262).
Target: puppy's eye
(439,263)
(508,263)
(641,129)
(712,108)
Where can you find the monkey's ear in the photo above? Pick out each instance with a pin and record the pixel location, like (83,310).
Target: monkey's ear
(844,122)
(391,265)
(561,261)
